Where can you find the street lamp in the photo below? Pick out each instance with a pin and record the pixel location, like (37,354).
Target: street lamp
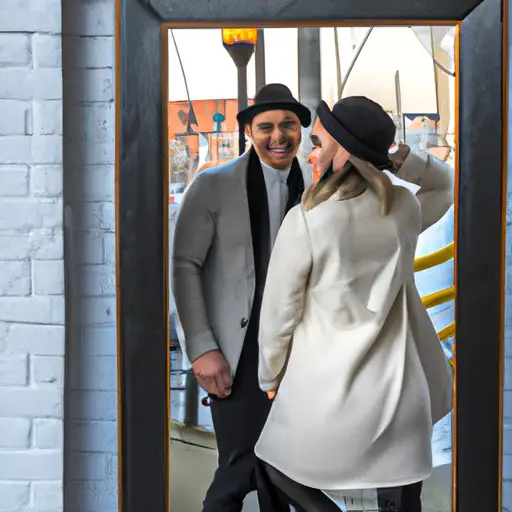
(240,44)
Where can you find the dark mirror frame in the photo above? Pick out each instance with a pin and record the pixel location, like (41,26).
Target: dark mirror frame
(142,224)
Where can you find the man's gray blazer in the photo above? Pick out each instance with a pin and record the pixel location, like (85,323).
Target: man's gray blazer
(213,275)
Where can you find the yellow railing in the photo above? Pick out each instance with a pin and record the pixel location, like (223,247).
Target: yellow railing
(435,258)
(441,296)
(447,332)
(434,299)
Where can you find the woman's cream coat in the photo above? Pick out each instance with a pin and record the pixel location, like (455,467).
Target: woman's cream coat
(366,377)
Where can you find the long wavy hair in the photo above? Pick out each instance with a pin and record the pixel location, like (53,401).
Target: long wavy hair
(351,182)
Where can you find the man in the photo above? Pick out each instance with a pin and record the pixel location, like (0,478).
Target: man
(227,225)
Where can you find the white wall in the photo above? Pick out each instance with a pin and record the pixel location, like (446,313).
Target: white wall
(32,332)
(89,151)
(31,257)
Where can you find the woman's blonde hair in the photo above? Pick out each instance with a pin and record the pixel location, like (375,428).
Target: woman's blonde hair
(351,182)
(378,181)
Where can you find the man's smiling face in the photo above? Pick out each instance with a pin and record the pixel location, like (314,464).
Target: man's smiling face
(276,136)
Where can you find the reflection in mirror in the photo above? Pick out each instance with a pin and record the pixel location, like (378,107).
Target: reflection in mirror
(340,378)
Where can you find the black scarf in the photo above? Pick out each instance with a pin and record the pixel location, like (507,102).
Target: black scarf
(259,215)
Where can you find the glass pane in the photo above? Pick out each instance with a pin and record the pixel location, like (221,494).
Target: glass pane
(409,71)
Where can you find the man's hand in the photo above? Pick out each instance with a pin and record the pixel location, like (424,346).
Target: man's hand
(399,156)
(213,373)
(271,395)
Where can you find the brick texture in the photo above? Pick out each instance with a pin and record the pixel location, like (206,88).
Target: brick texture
(31,257)
(91,403)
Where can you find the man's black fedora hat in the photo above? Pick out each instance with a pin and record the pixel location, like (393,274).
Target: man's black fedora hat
(274,97)
(362,127)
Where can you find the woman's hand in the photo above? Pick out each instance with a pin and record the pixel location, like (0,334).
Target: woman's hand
(271,395)
(399,156)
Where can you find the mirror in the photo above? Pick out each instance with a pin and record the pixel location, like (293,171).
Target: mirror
(410,72)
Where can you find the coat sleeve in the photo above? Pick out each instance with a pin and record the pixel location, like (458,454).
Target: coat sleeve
(435,179)
(283,299)
(193,236)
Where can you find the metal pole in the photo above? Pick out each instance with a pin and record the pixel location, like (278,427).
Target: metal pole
(310,87)
(339,78)
(241,54)
(242,103)
(310,74)
(399,113)
(191,417)
(259,57)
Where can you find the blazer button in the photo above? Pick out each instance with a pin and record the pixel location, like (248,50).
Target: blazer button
(243,322)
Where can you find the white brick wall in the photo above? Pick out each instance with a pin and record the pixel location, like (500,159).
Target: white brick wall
(91,404)
(31,257)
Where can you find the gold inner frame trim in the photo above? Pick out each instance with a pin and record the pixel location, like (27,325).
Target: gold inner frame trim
(456,231)
(165,192)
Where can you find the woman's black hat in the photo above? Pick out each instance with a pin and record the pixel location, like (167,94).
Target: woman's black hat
(362,127)
(274,97)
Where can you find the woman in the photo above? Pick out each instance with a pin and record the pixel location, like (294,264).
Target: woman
(365,378)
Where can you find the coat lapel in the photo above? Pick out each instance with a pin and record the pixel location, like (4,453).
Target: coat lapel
(242,223)
(260,221)
(251,223)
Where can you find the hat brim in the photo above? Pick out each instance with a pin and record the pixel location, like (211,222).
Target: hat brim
(348,140)
(302,112)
